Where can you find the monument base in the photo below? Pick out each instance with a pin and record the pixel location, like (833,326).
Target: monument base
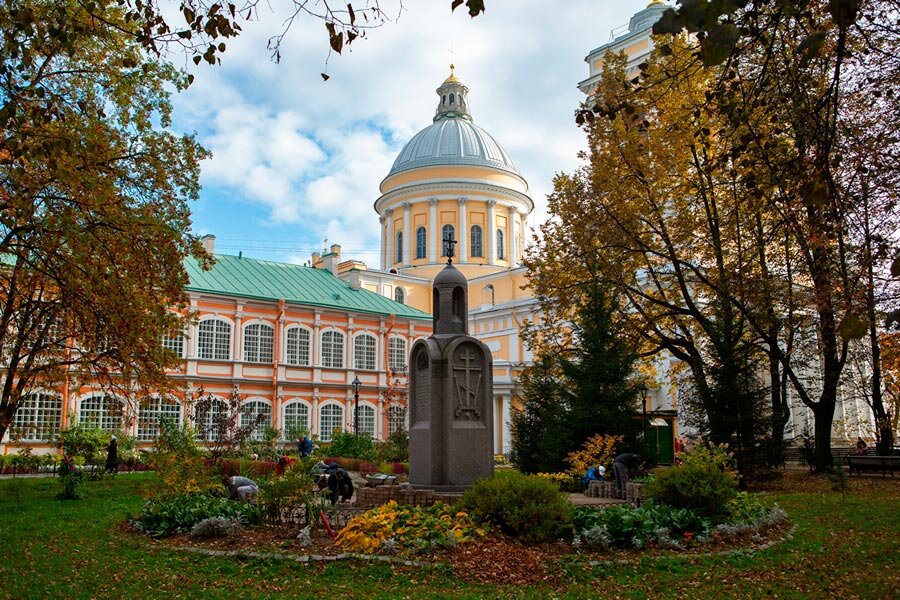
(440,489)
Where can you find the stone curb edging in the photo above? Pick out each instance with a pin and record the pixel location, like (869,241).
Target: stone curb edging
(749,551)
(309,558)
(303,558)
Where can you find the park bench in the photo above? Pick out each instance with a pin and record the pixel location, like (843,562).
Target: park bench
(873,463)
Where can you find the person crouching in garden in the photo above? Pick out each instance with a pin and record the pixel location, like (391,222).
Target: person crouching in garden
(593,474)
(625,467)
(339,484)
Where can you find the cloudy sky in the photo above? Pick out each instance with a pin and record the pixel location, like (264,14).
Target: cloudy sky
(297,159)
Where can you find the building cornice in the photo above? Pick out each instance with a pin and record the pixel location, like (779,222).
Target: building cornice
(384,202)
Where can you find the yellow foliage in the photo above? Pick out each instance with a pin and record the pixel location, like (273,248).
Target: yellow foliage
(597,450)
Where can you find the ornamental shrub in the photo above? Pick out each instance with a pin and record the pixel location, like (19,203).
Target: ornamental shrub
(214,527)
(597,450)
(703,482)
(350,445)
(629,527)
(391,528)
(161,517)
(291,490)
(524,506)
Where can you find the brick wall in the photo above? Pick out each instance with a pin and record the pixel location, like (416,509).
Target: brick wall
(404,495)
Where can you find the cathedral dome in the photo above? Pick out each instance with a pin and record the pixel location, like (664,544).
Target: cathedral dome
(453,139)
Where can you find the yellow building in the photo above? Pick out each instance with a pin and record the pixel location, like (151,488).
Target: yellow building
(453,180)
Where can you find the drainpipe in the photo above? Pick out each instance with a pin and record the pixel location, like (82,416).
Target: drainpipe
(275,353)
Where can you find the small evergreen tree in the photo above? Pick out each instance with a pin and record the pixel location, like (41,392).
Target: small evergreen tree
(577,389)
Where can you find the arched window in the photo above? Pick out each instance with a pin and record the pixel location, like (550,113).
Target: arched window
(487,294)
(333,349)
(399,247)
(214,339)
(452,99)
(210,419)
(397,355)
(475,244)
(259,342)
(420,242)
(258,415)
(501,253)
(38,417)
(331,420)
(447,231)
(297,341)
(399,295)
(296,419)
(366,420)
(101,411)
(364,352)
(396,419)
(152,411)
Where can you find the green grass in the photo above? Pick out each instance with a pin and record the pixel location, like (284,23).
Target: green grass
(843,547)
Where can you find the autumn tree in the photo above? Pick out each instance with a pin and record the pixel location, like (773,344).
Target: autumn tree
(658,214)
(826,73)
(94,191)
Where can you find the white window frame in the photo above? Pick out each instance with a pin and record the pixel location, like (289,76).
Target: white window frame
(175,344)
(365,352)
(216,407)
(366,419)
(330,355)
(501,253)
(399,295)
(218,348)
(299,356)
(397,357)
(396,422)
(150,412)
(329,422)
(259,343)
(250,408)
(38,416)
(294,417)
(101,414)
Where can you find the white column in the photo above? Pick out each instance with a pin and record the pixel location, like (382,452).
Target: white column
(390,253)
(462,236)
(315,343)
(507,422)
(349,348)
(384,243)
(433,231)
(314,415)
(490,234)
(407,225)
(512,234)
(237,344)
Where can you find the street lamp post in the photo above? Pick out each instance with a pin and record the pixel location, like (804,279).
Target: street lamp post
(356,383)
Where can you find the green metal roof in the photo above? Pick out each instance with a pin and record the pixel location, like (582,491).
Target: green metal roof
(266,280)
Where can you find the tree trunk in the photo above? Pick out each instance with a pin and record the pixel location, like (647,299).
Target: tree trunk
(824,413)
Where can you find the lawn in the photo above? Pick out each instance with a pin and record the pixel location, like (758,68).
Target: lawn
(843,547)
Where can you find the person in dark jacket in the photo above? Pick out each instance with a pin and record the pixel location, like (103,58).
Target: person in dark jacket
(339,484)
(112,458)
(624,468)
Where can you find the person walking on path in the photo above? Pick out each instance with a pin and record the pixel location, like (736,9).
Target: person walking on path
(112,458)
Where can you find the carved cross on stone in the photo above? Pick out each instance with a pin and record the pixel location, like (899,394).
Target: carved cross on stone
(468,384)
(449,242)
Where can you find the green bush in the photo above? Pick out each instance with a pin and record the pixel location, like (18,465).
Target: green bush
(703,483)
(83,440)
(394,449)
(520,505)
(349,445)
(162,517)
(291,490)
